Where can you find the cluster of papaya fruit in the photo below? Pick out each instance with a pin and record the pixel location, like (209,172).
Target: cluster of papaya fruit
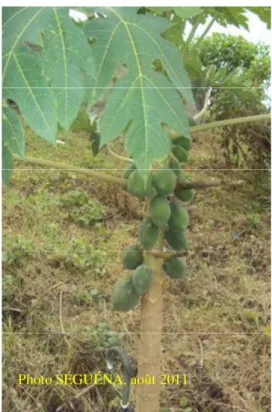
(128,290)
(166,214)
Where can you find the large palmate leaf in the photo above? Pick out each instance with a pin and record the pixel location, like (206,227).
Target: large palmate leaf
(66,54)
(44,54)
(187,12)
(183,12)
(264,13)
(13,140)
(7,164)
(144,98)
(22,24)
(224,16)
(23,79)
(13,131)
(25,83)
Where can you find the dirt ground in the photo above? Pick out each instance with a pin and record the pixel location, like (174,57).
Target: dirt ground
(63,236)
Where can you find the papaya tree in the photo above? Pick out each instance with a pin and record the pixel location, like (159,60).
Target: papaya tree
(51,66)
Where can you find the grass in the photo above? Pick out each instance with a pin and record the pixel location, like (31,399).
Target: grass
(63,236)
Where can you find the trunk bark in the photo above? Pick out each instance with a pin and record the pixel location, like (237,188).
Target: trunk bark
(148,395)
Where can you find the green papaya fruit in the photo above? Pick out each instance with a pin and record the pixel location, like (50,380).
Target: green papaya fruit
(148,234)
(175,268)
(139,185)
(142,279)
(182,178)
(128,170)
(175,166)
(180,153)
(192,122)
(124,295)
(184,194)
(132,257)
(184,142)
(164,181)
(160,211)
(179,219)
(177,240)
(94,138)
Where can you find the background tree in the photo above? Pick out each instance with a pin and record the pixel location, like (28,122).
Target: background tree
(239,62)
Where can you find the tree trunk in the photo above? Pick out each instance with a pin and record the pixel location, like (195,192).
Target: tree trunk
(148,395)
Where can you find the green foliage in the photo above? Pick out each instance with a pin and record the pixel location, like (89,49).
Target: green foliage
(142,279)
(237,16)
(254,219)
(224,50)
(177,240)
(124,295)
(142,97)
(13,131)
(160,211)
(244,145)
(94,138)
(13,140)
(222,15)
(83,297)
(139,184)
(82,209)
(106,336)
(132,257)
(226,62)
(74,198)
(82,122)
(226,15)
(164,181)
(260,68)
(238,57)
(148,234)
(206,16)
(9,286)
(81,257)
(175,268)
(17,251)
(230,61)
(264,13)
(187,12)
(183,402)
(45,70)
(7,164)
(45,50)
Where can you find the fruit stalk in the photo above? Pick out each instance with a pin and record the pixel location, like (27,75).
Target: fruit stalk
(94,174)
(230,122)
(166,255)
(51,165)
